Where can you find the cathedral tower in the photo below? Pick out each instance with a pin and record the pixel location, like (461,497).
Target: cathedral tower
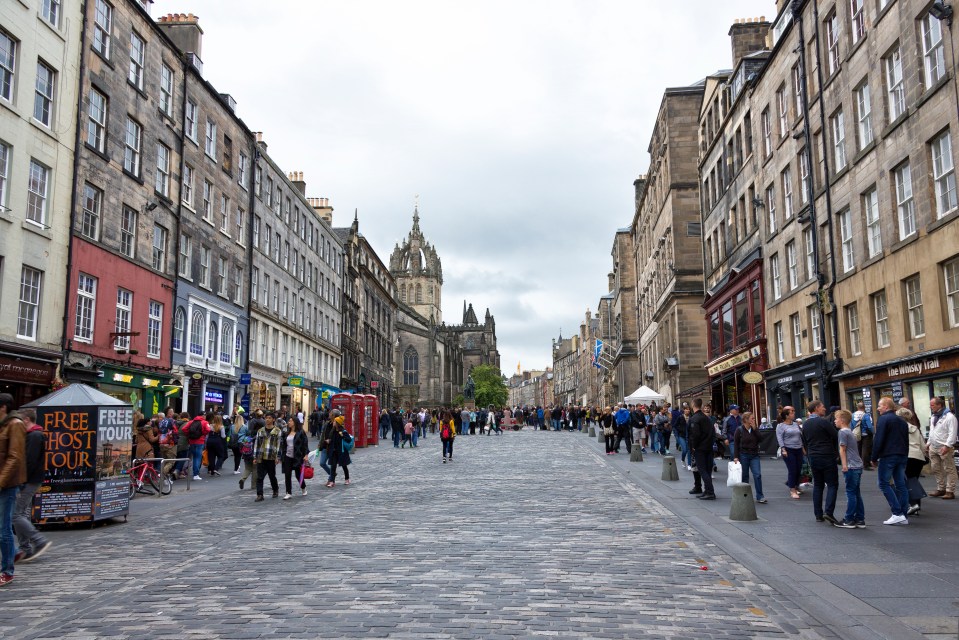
(418,273)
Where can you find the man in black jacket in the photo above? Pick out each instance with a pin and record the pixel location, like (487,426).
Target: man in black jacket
(32,543)
(890,449)
(821,441)
(701,436)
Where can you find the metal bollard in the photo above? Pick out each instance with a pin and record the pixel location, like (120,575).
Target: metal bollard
(636,455)
(670,473)
(742,507)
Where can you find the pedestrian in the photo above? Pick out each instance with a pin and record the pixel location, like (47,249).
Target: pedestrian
(408,431)
(890,449)
(340,442)
(622,418)
(492,422)
(13,474)
(32,543)
(233,441)
(681,429)
(701,436)
(915,461)
(940,446)
(182,446)
(246,438)
(196,432)
(863,421)
(746,452)
(606,422)
(396,424)
(266,452)
(147,435)
(731,424)
(637,421)
(821,443)
(852,466)
(447,434)
(296,447)
(789,437)
(215,445)
(384,424)
(326,436)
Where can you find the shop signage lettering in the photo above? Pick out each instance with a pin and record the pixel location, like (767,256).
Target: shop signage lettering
(70,443)
(122,377)
(25,371)
(150,383)
(784,380)
(116,425)
(867,376)
(913,368)
(732,361)
(295,382)
(214,396)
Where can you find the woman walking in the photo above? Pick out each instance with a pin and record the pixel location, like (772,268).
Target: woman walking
(789,436)
(233,439)
(915,460)
(447,433)
(216,446)
(296,447)
(336,455)
(746,450)
(606,424)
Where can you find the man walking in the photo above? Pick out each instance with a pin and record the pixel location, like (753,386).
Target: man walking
(890,450)
(863,420)
(266,452)
(731,425)
(32,543)
(940,446)
(13,473)
(821,441)
(701,435)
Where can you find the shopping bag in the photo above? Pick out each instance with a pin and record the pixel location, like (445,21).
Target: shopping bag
(313,456)
(306,472)
(916,490)
(734,473)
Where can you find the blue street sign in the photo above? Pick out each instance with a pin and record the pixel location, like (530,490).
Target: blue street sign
(245,403)
(245,378)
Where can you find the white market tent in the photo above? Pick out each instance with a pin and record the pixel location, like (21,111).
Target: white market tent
(644,395)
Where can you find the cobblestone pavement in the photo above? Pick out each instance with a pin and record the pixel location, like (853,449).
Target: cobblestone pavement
(525,535)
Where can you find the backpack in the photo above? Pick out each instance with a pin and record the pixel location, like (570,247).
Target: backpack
(246,448)
(347,442)
(194,430)
(446,432)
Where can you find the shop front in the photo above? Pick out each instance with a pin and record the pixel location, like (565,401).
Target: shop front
(144,391)
(798,383)
(322,394)
(729,382)
(296,394)
(207,392)
(919,378)
(26,376)
(264,388)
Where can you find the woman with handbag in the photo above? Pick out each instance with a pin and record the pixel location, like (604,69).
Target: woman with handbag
(337,454)
(606,424)
(789,436)
(915,461)
(746,452)
(296,447)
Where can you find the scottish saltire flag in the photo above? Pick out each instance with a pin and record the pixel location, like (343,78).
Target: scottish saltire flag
(596,352)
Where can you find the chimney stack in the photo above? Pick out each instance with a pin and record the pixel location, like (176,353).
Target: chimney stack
(296,177)
(748,35)
(640,185)
(185,32)
(259,140)
(322,207)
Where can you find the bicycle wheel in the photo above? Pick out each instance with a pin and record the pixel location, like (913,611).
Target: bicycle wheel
(166,485)
(133,488)
(154,482)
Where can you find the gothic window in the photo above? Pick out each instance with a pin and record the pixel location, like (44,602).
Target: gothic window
(411,366)
(419,294)
(469,342)
(431,293)
(403,293)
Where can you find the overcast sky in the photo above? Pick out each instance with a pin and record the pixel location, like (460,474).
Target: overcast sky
(521,125)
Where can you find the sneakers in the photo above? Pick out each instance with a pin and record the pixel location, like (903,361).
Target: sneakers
(241,485)
(304,491)
(38,551)
(860,524)
(347,481)
(846,524)
(694,491)
(643,449)
(237,472)
(444,460)
(276,494)
(762,500)
(831,519)
(197,478)
(287,497)
(894,519)
(214,473)
(5,579)
(20,555)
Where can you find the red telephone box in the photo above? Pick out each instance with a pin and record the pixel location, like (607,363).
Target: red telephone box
(344,402)
(374,434)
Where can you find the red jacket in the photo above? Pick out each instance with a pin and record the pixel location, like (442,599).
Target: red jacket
(206,430)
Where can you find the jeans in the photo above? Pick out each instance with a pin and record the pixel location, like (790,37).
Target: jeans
(8,545)
(448,448)
(415,437)
(732,449)
(27,535)
(894,467)
(196,453)
(556,424)
(397,434)
(750,464)
(855,510)
(266,468)
(686,456)
(793,460)
(826,473)
(323,461)
(657,436)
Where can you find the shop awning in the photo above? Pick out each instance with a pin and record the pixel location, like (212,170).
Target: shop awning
(695,391)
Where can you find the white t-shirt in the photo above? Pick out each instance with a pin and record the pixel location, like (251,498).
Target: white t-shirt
(289,445)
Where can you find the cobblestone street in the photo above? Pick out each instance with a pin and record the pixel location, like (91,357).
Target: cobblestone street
(528,534)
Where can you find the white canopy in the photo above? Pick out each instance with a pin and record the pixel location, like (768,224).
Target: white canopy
(644,395)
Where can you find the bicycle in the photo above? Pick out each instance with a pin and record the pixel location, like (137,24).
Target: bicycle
(145,479)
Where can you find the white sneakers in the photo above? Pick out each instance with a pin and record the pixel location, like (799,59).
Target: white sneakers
(197,478)
(237,472)
(896,520)
(287,497)
(304,490)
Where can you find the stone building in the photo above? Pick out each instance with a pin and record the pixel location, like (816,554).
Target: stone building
(122,274)
(566,371)
(370,318)
(295,292)
(39,63)
(433,359)
(666,238)
(732,231)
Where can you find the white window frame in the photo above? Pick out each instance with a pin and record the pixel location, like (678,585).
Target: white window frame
(138,50)
(154,329)
(179,330)
(845,237)
(783,105)
(838,125)
(780,343)
(209,145)
(912,288)
(8,66)
(244,170)
(810,256)
(166,89)
(943,174)
(864,115)
(950,273)
(221,276)
(86,308)
(28,311)
(933,50)
(212,340)
(205,267)
(803,178)
(905,206)
(208,201)
(792,265)
(123,315)
(91,206)
(38,190)
(44,94)
(5,153)
(767,133)
(895,87)
(162,185)
(132,139)
(97,110)
(814,328)
(776,278)
(102,28)
(190,125)
(128,232)
(857,15)
(186,188)
(870,208)
(787,184)
(224,214)
(832,42)
(852,324)
(159,249)
(796,323)
(880,305)
(185,249)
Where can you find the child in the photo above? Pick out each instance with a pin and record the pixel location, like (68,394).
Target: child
(851,471)
(408,433)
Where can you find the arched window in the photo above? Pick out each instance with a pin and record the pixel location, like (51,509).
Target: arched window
(226,342)
(431,293)
(179,328)
(419,293)
(411,366)
(237,348)
(196,334)
(211,337)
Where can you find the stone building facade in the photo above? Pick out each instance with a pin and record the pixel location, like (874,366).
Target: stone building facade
(623,344)
(566,370)
(122,273)
(39,61)
(666,232)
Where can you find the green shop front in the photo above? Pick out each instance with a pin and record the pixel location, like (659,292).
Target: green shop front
(144,391)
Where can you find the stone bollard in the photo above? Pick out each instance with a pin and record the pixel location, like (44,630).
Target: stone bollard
(600,436)
(670,473)
(592,431)
(742,507)
(636,455)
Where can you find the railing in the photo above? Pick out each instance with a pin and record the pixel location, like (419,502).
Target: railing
(189,476)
